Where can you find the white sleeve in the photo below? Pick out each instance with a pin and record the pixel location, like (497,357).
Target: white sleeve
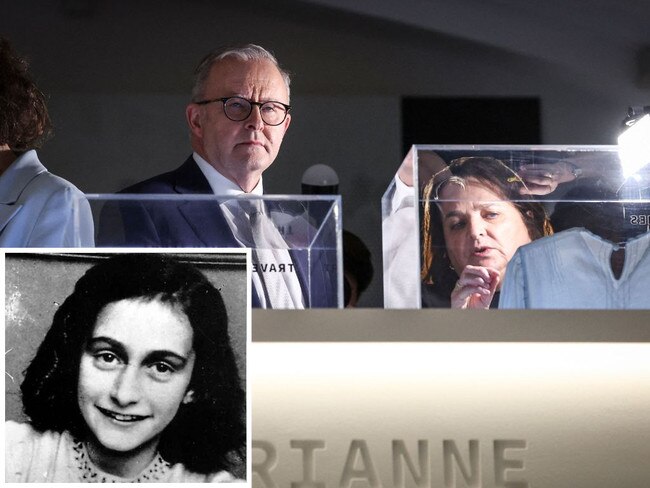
(403,196)
(401,250)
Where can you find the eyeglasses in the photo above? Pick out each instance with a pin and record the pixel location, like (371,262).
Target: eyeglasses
(238,109)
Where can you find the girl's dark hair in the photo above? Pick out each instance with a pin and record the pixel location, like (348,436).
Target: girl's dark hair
(496,176)
(206,435)
(24,120)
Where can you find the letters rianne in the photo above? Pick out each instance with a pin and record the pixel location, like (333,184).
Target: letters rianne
(411,464)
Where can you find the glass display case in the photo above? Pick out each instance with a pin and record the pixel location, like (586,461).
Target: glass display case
(517,227)
(295,240)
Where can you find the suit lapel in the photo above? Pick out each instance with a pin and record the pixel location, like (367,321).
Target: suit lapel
(188,178)
(203,216)
(206,219)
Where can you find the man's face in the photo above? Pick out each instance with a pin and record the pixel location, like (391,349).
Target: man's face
(242,150)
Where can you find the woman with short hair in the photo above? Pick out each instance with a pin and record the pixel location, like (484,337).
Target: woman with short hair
(37,208)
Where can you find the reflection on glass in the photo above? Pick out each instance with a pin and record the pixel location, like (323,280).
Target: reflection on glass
(458,219)
(476,215)
(296,242)
(599,258)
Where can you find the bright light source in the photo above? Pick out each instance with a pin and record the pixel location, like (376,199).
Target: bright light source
(634,147)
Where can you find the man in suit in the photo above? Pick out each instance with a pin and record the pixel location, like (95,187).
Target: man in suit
(238,115)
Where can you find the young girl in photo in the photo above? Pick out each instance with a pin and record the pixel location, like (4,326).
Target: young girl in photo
(135,381)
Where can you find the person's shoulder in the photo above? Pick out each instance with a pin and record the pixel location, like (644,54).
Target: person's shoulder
(55,184)
(29,453)
(20,442)
(23,432)
(553,240)
(52,197)
(17,431)
(23,439)
(180,474)
(41,181)
(223,477)
(164,182)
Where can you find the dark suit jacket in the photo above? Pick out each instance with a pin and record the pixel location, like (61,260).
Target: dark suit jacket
(199,223)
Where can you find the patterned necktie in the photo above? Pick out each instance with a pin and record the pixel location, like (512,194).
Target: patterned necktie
(272,259)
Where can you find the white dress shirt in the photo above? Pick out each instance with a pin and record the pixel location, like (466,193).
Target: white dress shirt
(220,184)
(271,250)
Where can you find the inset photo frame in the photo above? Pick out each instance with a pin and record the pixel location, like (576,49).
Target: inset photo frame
(127,365)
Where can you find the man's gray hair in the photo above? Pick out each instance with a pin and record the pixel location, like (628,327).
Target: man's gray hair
(249,52)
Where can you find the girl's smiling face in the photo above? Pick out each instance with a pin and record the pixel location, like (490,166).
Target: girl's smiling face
(134,373)
(480,227)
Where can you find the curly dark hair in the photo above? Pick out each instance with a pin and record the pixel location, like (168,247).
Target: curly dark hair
(24,120)
(500,179)
(206,435)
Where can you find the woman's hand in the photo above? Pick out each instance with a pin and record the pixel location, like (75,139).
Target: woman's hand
(475,288)
(542,179)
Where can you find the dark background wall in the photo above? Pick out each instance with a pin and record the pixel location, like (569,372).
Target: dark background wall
(118,74)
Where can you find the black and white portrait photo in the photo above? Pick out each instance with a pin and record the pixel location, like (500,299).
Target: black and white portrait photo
(126,366)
